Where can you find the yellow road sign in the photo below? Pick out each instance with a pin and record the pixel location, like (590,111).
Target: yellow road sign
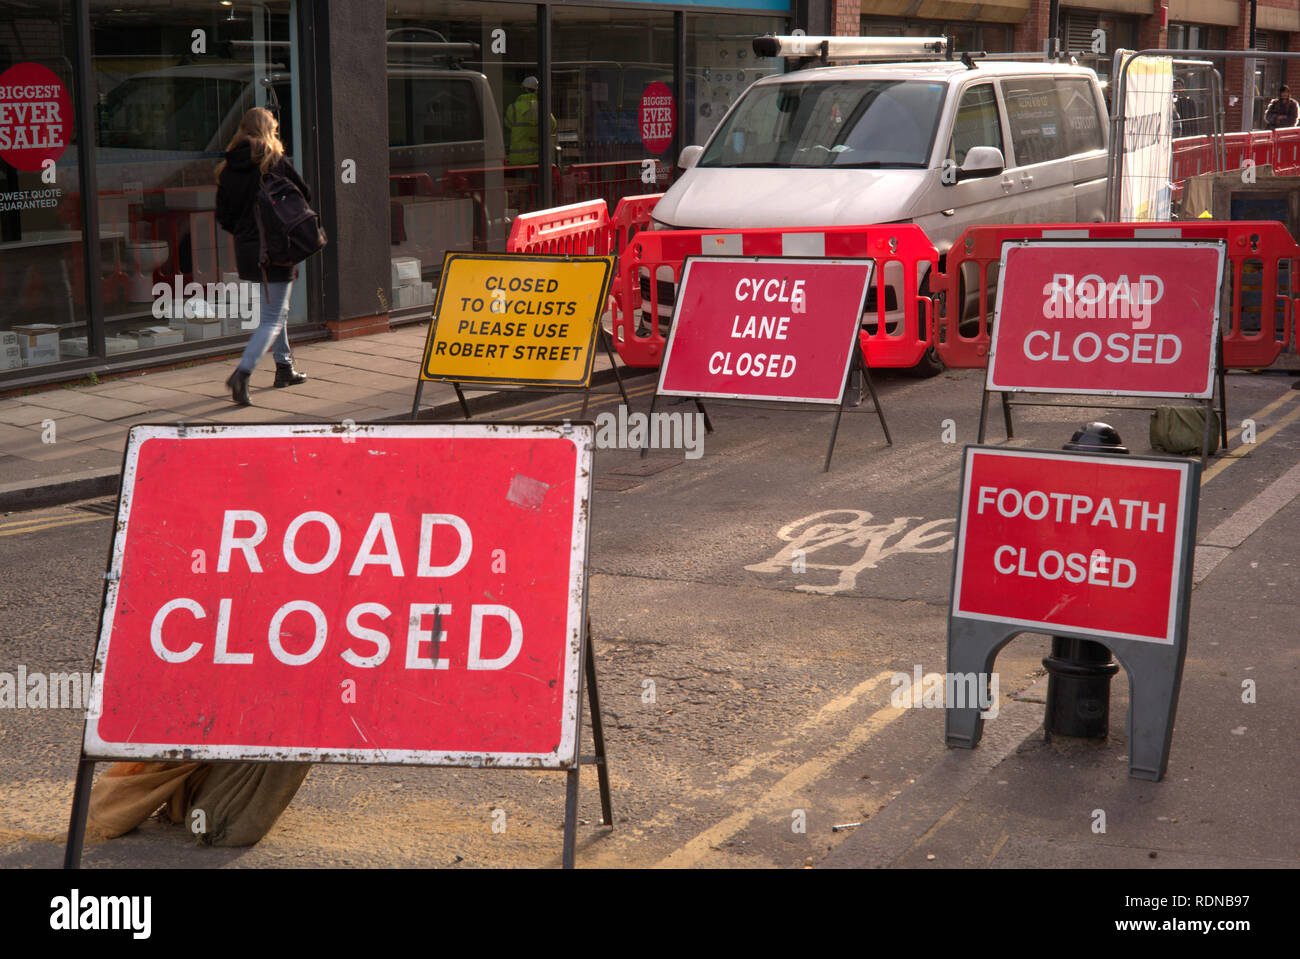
(517,318)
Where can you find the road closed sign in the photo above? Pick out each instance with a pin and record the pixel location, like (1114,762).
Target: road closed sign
(1095,545)
(1134,318)
(516,318)
(381,593)
(779,329)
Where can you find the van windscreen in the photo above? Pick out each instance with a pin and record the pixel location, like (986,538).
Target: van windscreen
(841,124)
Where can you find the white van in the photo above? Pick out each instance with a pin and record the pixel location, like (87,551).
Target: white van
(944,144)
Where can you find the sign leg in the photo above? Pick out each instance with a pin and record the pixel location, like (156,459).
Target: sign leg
(1153,704)
(613,364)
(598,734)
(80,809)
(586,399)
(866,378)
(1208,409)
(984,415)
(570,816)
(835,428)
(419,391)
(1223,398)
(649,419)
(1006,415)
(708,424)
(464,404)
(972,648)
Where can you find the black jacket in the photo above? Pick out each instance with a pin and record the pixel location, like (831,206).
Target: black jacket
(236,192)
(1281,113)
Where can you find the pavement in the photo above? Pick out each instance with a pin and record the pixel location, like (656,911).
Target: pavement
(64,444)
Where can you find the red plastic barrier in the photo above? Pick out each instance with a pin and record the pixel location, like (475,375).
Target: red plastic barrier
(631,216)
(1287,151)
(578,229)
(899,338)
(1236,147)
(1254,249)
(1261,147)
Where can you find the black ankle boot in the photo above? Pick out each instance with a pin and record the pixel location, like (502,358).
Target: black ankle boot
(286,375)
(238,384)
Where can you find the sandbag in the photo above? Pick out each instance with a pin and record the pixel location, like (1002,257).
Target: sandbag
(240,802)
(1180,430)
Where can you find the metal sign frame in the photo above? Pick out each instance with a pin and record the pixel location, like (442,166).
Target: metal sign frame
(578,658)
(1154,668)
(1215,376)
(854,360)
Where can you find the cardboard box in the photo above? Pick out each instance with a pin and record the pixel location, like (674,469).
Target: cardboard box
(406,271)
(154,336)
(40,355)
(8,338)
(198,329)
(11,357)
(426,293)
(37,336)
(38,343)
(120,344)
(74,347)
(191,198)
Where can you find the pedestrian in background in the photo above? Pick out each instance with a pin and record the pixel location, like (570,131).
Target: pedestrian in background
(254,152)
(1283,111)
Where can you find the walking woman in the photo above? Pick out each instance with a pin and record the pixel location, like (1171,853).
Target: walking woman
(255,151)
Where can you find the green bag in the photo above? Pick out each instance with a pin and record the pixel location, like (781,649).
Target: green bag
(1180,429)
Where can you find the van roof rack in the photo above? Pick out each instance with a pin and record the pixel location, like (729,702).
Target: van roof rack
(438,48)
(854,48)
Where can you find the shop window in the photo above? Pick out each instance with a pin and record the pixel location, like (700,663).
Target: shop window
(454,183)
(172,85)
(42,249)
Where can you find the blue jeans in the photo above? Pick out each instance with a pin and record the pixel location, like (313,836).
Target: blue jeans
(272,330)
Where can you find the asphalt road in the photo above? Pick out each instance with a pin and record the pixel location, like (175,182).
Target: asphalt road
(746,695)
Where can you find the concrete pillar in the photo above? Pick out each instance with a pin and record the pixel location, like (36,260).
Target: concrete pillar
(350,55)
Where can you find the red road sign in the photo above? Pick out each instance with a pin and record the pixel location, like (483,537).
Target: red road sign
(387,593)
(781,329)
(1135,318)
(1098,545)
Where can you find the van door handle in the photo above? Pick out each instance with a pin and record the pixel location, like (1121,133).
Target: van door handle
(1007,184)
(1026,180)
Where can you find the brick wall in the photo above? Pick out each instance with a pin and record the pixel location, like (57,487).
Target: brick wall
(845,15)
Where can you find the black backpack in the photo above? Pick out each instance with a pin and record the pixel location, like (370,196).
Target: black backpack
(288,228)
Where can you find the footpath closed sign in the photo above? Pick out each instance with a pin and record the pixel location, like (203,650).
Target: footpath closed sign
(386,593)
(1096,545)
(1135,318)
(779,329)
(515,318)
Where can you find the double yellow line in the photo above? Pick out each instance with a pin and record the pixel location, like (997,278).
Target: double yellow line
(1230,458)
(19,527)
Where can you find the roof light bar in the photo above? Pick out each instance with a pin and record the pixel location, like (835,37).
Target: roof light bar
(853,48)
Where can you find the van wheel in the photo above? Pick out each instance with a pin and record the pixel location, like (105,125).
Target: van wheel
(930,364)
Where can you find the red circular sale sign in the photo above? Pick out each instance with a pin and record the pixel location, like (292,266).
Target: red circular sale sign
(658,117)
(35,116)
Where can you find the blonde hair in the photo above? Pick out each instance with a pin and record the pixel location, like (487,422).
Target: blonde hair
(261,130)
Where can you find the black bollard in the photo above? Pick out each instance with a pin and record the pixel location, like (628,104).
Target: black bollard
(1079,670)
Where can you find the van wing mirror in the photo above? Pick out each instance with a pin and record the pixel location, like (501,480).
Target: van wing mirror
(690,156)
(981,162)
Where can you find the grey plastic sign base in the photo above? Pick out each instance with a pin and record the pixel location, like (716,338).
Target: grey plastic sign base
(1154,664)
